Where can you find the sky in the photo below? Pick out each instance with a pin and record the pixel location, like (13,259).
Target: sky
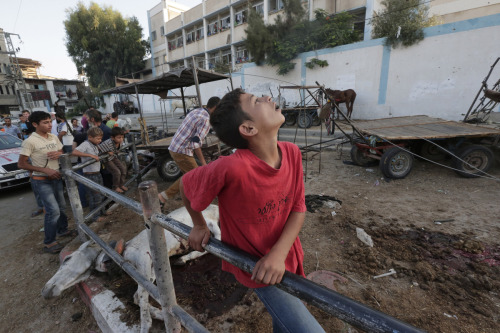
(39,23)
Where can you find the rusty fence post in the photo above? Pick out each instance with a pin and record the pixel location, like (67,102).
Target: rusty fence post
(73,195)
(135,160)
(148,193)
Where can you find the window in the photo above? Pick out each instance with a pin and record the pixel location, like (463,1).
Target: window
(226,57)
(275,5)
(259,8)
(1,90)
(179,41)
(153,35)
(190,37)
(241,55)
(212,28)
(200,34)
(240,17)
(225,23)
(156,61)
(162,31)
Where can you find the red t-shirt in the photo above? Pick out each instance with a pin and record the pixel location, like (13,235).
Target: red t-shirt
(255,201)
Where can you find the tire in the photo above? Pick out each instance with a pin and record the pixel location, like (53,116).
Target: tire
(478,156)
(315,119)
(304,120)
(359,158)
(396,163)
(168,169)
(290,119)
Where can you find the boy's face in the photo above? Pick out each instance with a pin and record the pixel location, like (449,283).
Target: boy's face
(117,139)
(95,139)
(44,126)
(263,111)
(75,123)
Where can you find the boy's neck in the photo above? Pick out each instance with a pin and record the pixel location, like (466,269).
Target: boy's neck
(266,150)
(42,134)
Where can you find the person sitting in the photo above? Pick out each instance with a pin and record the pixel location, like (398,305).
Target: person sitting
(112,122)
(114,165)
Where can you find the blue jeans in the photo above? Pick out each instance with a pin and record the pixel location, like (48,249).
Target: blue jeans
(82,191)
(288,312)
(52,196)
(94,198)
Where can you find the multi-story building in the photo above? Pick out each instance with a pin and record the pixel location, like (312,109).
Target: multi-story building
(9,96)
(213,33)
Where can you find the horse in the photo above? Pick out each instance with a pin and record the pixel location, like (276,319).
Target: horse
(343,96)
(177,104)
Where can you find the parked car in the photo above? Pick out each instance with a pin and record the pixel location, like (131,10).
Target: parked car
(10,174)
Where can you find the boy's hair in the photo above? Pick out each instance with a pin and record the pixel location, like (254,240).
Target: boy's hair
(213,101)
(115,131)
(26,111)
(73,119)
(37,116)
(92,113)
(227,118)
(94,132)
(114,114)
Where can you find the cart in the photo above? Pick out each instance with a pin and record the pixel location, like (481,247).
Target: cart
(394,142)
(161,85)
(305,113)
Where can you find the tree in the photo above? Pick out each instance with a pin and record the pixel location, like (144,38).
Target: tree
(402,22)
(103,44)
(279,43)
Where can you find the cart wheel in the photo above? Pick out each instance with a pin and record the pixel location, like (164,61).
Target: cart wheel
(432,151)
(396,163)
(168,169)
(315,119)
(290,119)
(359,158)
(304,120)
(473,161)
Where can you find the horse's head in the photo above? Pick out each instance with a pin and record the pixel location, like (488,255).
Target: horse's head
(74,268)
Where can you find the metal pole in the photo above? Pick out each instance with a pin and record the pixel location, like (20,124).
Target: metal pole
(195,77)
(74,196)
(135,161)
(148,193)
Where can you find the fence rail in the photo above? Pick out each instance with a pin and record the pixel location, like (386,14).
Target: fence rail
(344,308)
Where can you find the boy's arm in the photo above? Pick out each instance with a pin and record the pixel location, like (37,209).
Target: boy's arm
(78,153)
(199,154)
(271,267)
(200,234)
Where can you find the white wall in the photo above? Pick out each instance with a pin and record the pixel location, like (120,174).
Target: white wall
(440,76)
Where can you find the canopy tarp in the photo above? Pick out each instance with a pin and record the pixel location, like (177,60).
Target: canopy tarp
(160,85)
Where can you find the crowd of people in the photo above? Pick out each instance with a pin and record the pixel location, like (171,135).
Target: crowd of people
(260,187)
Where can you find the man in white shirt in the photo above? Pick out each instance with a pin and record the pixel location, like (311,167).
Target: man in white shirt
(54,123)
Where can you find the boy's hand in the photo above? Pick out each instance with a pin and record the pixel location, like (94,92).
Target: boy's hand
(52,174)
(110,153)
(95,157)
(269,269)
(199,237)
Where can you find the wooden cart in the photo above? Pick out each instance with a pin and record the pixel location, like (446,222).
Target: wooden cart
(394,141)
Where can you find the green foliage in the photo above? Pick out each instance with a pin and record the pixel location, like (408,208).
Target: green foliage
(279,43)
(103,44)
(89,97)
(315,61)
(402,22)
(222,68)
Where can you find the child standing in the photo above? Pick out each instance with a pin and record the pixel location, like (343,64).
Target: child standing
(117,168)
(260,189)
(86,151)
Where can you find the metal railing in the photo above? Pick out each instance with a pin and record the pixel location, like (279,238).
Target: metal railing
(344,308)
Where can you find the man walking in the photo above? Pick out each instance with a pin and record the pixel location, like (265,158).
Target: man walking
(187,140)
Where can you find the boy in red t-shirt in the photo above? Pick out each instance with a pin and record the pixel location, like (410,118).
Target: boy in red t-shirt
(260,190)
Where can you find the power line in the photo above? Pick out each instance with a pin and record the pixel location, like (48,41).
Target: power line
(17,16)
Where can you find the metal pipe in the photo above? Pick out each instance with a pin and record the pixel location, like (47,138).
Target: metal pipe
(121,199)
(197,85)
(135,160)
(342,307)
(148,193)
(74,196)
(107,201)
(92,161)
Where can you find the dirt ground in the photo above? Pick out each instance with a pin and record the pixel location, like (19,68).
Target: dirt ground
(446,274)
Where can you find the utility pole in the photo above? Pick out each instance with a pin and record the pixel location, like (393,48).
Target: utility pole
(24,99)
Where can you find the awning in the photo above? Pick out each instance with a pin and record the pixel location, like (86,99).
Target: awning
(160,85)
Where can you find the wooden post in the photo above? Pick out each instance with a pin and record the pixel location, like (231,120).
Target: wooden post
(149,198)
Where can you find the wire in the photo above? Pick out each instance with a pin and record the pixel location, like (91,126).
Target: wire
(488,176)
(17,16)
